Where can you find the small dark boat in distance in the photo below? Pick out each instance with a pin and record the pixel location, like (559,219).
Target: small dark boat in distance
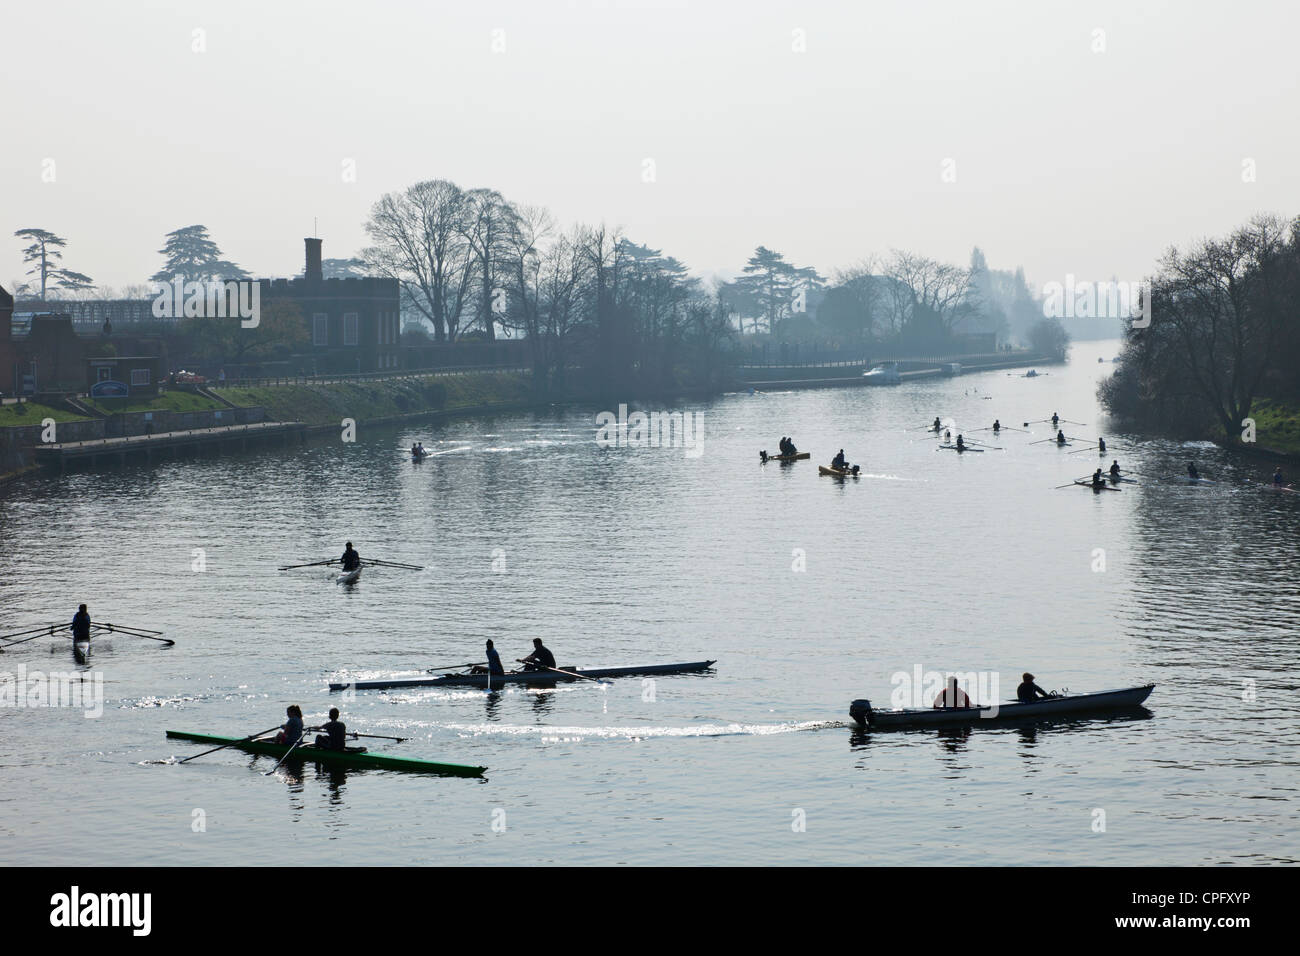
(864,715)
(523,677)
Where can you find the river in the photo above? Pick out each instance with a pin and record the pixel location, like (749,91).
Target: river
(808,591)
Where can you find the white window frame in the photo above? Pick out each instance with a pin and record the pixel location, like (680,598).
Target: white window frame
(320,328)
(139,376)
(351,329)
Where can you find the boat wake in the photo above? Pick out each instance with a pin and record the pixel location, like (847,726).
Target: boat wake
(578,733)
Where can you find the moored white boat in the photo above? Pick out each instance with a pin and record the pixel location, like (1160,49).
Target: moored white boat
(1127,698)
(883,375)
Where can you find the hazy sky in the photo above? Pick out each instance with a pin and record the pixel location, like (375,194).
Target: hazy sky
(1066,160)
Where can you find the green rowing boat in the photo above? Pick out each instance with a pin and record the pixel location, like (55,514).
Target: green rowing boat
(352,757)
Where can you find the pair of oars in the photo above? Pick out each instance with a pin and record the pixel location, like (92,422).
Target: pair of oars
(51,630)
(371,561)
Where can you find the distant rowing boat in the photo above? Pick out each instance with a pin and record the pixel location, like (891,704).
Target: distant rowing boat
(522,677)
(1089,484)
(963,448)
(351,757)
(798,456)
(836,472)
(1288,488)
(865,715)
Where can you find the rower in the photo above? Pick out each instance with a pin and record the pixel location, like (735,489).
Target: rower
(937,425)
(493,667)
(351,560)
(81,625)
(1098,480)
(1056,419)
(1060,437)
(415,452)
(1114,469)
(336,732)
(1192,473)
(291,730)
(1028,691)
(1278,482)
(838,462)
(540,659)
(952,696)
(947,434)
(997,426)
(961,445)
(421,450)
(789,447)
(1101,446)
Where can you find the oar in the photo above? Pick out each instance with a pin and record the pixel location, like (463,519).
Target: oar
(971,441)
(1042,440)
(286,754)
(231,744)
(393,564)
(1068,422)
(1092,447)
(595,680)
(378,737)
(314,564)
(452,667)
(134,632)
(41,632)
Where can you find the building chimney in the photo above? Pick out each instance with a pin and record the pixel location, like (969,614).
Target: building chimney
(313,270)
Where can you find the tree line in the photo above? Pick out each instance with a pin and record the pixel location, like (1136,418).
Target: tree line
(471,264)
(1222,333)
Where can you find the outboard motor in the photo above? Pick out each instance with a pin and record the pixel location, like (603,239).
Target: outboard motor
(860,711)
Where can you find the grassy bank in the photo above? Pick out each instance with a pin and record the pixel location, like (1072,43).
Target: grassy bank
(1277,425)
(32,413)
(166,402)
(389,398)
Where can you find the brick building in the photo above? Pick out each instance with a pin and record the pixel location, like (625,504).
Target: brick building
(353,325)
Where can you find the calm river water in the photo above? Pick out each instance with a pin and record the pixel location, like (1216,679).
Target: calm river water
(807,591)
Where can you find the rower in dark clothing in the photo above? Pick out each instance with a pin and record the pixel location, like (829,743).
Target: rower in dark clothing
(81,624)
(291,730)
(1098,480)
(997,426)
(1056,419)
(789,447)
(540,659)
(1101,446)
(1279,481)
(1028,691)
(936,426)
(493,663)
(961,444)
(838,461)
(1060,437)
(351,560)
(1191,471)
(1114,470)
(336,732)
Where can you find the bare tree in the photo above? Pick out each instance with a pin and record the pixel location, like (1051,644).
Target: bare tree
(419,239)
(487,224)
(927,295)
